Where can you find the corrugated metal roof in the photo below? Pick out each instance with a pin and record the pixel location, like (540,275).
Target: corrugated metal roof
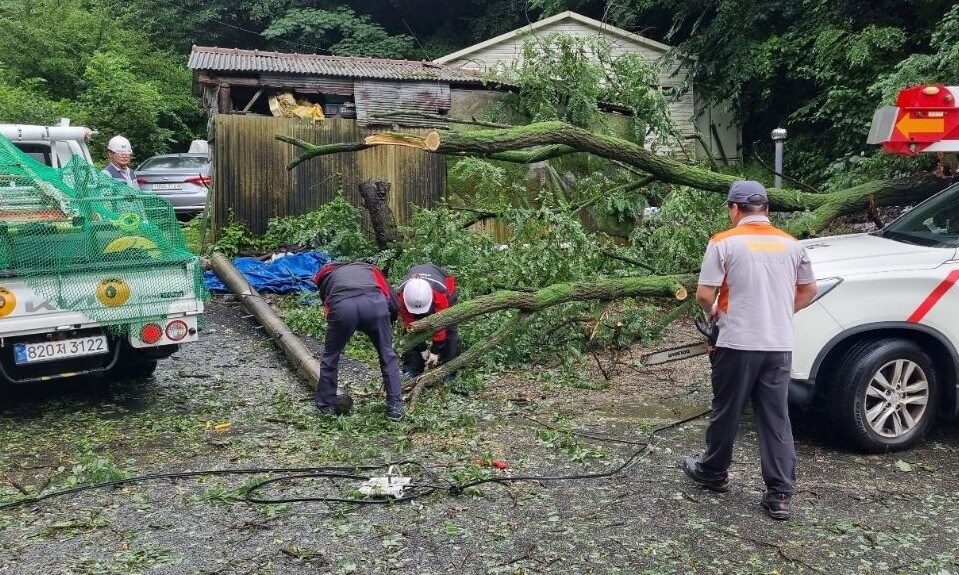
(236,60)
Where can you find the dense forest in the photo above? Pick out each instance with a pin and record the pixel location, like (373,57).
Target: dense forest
(817,67)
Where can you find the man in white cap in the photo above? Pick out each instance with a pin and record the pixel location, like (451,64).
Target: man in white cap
(426,290)
(120,152)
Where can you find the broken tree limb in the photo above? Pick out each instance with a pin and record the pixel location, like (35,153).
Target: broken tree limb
(613,255)
(674,286)
(375,195)
(904,191)
(436,376)
(552,139)
(302,358)
(312,150)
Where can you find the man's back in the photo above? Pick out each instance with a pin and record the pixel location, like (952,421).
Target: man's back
(757,268)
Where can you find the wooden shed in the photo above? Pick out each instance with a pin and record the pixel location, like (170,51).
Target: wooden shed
(715,123)
(239,90)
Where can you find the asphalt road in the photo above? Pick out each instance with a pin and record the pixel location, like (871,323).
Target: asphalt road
(853,513)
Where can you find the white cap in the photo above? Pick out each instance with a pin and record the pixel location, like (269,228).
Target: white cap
(418,296)
(120,145)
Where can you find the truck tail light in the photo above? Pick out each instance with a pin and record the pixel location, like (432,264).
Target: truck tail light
(176,330)
(151,333)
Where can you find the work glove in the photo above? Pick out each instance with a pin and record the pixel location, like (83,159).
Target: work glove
(432,360)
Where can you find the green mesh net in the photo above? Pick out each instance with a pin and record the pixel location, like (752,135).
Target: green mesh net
(85,242)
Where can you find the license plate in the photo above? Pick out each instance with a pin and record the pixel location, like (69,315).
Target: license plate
(167,186)
(64,348)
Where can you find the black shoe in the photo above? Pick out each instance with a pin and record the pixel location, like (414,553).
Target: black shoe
(327,411)
(395,413)
(690,467)
(776,505)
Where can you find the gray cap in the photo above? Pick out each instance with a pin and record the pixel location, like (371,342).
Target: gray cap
(747,192)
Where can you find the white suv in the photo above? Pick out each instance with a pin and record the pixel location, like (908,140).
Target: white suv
(878,347)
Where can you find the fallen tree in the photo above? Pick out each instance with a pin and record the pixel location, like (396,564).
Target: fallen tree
(545,140)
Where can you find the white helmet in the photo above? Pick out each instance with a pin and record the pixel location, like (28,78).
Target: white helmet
(418,296)
(120,145)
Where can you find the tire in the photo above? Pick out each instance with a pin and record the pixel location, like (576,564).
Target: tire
(141,369)
(885,395)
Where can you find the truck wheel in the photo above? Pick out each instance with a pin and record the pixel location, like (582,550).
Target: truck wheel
(141,369)
(885,395)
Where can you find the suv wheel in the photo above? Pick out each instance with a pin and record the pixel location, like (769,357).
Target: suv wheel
(885,394)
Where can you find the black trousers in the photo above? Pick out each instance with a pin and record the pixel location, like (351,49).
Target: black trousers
(761,377)
(370,315)
(449,348)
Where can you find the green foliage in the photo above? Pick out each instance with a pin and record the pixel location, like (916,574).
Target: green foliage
(27,104)
(235,239)
(575,448)
(337,228)
(492,185)
(546,246)
(90,469)
(121,104)
(342,30)
(218,495)
(674,240)
(818,67)
(84,60)
(566,78)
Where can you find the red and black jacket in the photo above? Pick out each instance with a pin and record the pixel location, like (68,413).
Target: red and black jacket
(444,293)
(340,281)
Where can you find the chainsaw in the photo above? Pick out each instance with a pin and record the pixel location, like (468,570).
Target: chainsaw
(709,330)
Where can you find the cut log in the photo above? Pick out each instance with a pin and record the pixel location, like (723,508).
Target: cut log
(299,355)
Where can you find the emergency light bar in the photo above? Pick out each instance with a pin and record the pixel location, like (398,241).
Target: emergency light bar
(924,119)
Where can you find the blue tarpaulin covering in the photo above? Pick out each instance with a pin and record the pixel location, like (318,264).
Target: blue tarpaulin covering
(291,273)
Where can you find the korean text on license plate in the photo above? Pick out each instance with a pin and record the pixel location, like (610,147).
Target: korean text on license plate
(62,349)
(167,186)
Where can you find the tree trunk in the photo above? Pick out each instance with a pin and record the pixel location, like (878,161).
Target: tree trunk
(375,195)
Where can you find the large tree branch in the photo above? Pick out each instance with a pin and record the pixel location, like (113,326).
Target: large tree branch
(546,140)
(675,286)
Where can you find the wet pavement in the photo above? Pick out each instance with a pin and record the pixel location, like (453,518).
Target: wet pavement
(230,402)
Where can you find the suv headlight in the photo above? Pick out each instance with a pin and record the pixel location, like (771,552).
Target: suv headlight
(824,286)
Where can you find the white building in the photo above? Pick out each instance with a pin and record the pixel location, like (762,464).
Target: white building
(715,123)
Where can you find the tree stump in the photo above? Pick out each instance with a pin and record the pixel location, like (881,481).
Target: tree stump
(375,194)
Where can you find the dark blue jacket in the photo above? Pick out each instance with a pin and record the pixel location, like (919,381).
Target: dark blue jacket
(340,281)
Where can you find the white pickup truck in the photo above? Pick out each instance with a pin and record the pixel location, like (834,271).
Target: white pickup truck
(116,310)
(879,347)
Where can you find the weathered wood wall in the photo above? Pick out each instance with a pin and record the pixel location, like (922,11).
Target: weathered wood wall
(250,178)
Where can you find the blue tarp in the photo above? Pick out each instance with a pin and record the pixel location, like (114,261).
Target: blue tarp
(290,273)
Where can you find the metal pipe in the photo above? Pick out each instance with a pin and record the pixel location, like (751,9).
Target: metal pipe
(779,136)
